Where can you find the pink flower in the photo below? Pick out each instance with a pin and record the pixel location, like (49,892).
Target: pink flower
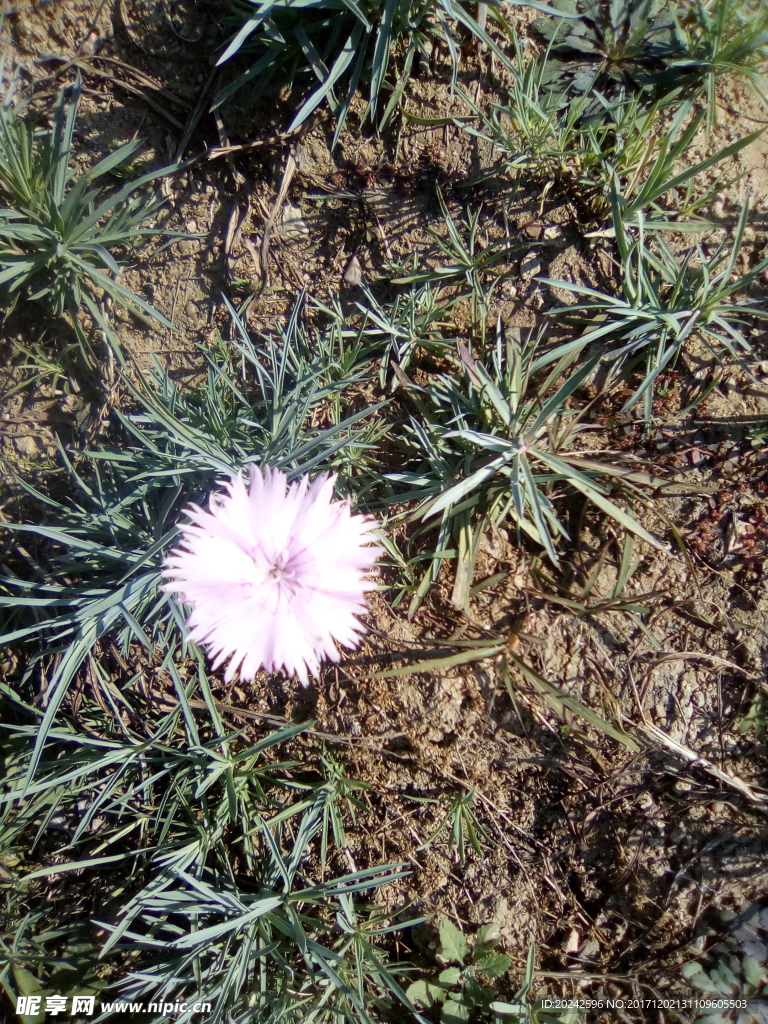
(274,574)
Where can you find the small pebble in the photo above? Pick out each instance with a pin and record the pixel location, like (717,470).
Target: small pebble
(293,225)
(90,45)
(26,445)
(191,310)
(572,942)
(645,801)
(531,265)
(353,272)
(191,227)
(681,786)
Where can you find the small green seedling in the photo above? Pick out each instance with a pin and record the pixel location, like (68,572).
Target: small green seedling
(462,986)
(462,824)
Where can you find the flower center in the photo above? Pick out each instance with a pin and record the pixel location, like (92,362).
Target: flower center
(278,571)
(281,572)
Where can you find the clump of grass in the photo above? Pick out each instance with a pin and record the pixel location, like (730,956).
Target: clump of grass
(723,38)
(60,240)
(544,133)
(207,860)
(465,258)
(485,444)
(632,148)
(340,45)
(657,175)
(667,300)
(461,823)
(217,852)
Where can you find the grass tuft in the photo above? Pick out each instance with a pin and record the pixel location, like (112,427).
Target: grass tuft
(60,240)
